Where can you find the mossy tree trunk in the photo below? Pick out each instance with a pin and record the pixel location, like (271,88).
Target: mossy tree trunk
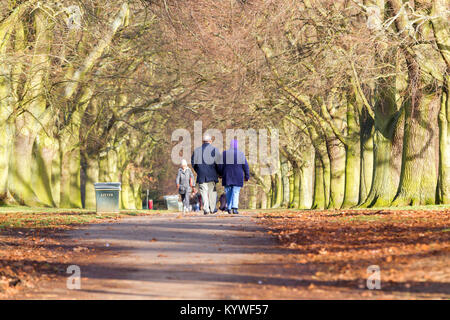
(444,148)
(336,151)
(367,156)
(352,158)
(277,191)
(125,200)
(29,123)
(306,191)
(285,181)
(440,26)
(388,144)
(322,174)
(91,177)
(10,26)
(419,175)
(291,188)
(252,198)
(296,186)
(44,153)
(320,184)
(264,204)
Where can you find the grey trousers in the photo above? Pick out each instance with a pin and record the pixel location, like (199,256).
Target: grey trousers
(209,195)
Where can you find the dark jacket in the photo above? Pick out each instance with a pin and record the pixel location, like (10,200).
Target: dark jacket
(196,199)
(205,160)
(234,168)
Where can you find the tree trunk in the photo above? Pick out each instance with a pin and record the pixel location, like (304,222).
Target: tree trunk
(29,123)
(9,82)
(6,134)
(352,160)
(64,155)
(320,184)
(91,174)
(70,186)
(307,181)
(296,186)
(277,189)
(264,198)
(336,152)
(419,175)
(444,149)
(367,157)
(322,172)
(75,179)
(352,174)
(113,172)
(103,175)
(388,142)
(285,182)
(137,196)
(131,199)
(252,197)
(125,191)
(44,151)
(291,189)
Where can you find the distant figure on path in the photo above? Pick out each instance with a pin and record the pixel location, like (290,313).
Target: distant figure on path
(223,202)
(184,181)
(196,200)
(205,161)
(234,170)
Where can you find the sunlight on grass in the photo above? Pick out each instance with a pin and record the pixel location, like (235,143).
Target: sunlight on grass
(27,217)
(406,208)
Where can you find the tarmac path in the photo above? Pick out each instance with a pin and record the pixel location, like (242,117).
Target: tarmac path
(172,257)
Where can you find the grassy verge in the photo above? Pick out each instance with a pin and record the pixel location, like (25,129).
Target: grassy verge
(26,217)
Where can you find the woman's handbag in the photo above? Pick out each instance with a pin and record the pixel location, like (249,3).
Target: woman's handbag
(182,190)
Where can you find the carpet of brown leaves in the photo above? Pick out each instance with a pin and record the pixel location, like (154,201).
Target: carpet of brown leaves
(411,248)
(34,247)
(29,256)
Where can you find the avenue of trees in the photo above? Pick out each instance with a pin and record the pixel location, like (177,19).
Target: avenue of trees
(357,89)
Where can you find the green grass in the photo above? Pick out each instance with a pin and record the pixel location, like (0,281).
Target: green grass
(27,217)
(364,218)
(405,208)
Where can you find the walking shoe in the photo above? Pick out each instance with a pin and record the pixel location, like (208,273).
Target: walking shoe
(205,212)
(235,211)
(228,210)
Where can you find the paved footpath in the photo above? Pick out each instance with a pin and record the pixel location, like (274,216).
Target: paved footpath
(171,257)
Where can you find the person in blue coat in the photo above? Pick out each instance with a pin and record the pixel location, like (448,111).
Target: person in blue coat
(234,170)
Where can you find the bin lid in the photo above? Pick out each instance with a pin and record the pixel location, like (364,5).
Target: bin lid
(171,197)
(107,185)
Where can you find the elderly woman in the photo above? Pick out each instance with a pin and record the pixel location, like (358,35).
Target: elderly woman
(184,181)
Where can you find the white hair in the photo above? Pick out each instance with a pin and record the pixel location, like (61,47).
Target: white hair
(183,163)
(207,137)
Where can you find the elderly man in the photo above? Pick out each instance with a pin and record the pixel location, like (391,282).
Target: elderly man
(205,161)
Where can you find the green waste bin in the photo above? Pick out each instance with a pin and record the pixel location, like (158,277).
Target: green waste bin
(107,196)
(172,202)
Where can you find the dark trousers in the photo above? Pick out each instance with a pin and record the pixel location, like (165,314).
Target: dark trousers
(185,199)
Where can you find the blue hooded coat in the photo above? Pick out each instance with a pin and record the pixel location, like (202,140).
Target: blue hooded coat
(234,167)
